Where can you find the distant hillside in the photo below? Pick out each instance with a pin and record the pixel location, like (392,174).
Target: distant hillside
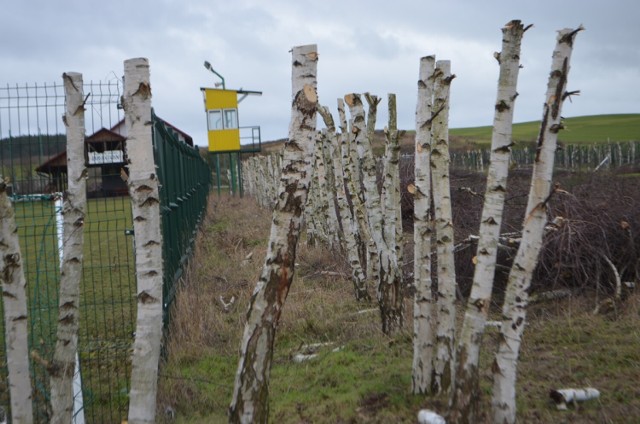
(581,129)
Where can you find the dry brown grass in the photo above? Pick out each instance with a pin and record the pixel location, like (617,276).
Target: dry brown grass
(233,230)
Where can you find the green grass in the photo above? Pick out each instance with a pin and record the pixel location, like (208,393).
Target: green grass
(582,129)
(368,378)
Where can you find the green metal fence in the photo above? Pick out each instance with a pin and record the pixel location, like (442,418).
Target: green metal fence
(185,182)
(33,160)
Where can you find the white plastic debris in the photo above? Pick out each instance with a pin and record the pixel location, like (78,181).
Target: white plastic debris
(301,357)
(426,416)
(564,396)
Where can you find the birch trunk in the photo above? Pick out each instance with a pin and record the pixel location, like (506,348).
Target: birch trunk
(352,184)
(312,209)
(145,208)
(331,215)
(390,290)
(14,297)
(74,209)
(516,296)
(250,402)
(372,205)
(423,346)
(348,226)
(464,397)
(444,369)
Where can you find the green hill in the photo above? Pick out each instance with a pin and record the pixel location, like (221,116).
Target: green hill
(581,129)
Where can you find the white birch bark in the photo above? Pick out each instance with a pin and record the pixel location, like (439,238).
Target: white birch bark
(465,396)
(353,185)
(443,370)
(367,143)
(381,252)
(250,403)
(348,226)
(423,313)
(390,289)
(331,214)
(516,296)
(313,208)
(145,208)
(14,298)
(367,169)
(74,209)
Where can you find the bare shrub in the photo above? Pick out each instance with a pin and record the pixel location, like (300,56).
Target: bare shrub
(597,216)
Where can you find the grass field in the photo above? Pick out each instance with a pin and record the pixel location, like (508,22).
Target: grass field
(360,375)
(582,129)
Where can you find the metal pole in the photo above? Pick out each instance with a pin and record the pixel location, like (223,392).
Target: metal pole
(241,188)
(232,168)
(218,171)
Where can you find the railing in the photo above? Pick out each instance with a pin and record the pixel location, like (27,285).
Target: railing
(250,139)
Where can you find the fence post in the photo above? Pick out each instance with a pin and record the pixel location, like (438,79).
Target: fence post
(145,207)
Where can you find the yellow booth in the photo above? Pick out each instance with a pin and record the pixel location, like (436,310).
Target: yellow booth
(222,119)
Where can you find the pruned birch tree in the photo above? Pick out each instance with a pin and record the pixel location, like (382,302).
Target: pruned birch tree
(367,172)
(352,184)
(145,208)
(331,214)
(14,298)
(250,403)
(526,259)
(444,365)
(313,210)
(62,368)
(349,228)
(423,314)
(464,397)
(382,248)
(390,287)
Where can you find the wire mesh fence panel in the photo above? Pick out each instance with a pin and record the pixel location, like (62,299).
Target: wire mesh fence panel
(33,162)
(185,182)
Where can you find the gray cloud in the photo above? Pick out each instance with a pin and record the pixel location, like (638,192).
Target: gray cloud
(364,46)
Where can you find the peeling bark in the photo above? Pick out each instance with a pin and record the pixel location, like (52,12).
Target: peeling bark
(367,171)
(353,184)
(464,397)
(516,295)
(250,403)
(349,229)
(145,208)
(74,209)
(14,297)
(443,370)
(390,287)
(423,313)
(331,215)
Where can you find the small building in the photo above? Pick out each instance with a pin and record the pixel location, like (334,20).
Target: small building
(106,162)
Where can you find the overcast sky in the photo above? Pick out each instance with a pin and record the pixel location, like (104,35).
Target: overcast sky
(372,45)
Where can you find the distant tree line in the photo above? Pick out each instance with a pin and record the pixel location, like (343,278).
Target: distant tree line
(39,145)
